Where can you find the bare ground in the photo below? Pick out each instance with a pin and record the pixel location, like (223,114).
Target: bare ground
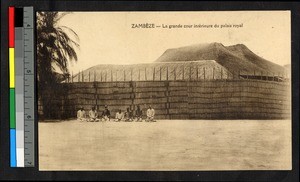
(166,145)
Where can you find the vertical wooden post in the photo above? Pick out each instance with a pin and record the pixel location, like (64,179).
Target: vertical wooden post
(124,75)
(213,73)
(221,73)
(116,75)
(197,73)
(204,73)
(190,77)
(78,76)
(82,76)
(131,74)
(174,73)
(95,75)
(159,73)
(145,73)
(89,77)
(105,75)
(167,73)
(183,73)
(153,73)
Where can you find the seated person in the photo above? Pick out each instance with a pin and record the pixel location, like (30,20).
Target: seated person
(93,115)
(138,114)
(128,115)
(150,114)
(119,116)
(81,114)
(106,114)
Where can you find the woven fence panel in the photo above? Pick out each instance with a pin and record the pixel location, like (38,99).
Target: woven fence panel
(210,99)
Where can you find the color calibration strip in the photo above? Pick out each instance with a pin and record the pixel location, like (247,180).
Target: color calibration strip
(21,74)
(12,102)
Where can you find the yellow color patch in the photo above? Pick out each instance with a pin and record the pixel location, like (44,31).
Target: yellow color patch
(11,67)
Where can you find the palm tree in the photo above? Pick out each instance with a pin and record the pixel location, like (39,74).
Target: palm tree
(55,50)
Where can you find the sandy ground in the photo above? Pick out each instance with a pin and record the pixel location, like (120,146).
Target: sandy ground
(166,145)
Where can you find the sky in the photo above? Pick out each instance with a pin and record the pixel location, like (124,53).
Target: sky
(108,37)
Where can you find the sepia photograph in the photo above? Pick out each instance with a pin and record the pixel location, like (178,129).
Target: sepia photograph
(164,91)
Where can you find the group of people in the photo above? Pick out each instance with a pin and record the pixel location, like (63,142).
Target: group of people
(127,116)
(93,115)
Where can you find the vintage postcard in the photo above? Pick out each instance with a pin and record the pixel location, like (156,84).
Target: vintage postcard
(164,91)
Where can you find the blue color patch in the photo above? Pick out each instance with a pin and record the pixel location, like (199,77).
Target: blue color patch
(13,148)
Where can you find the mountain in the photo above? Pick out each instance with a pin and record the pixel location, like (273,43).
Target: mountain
(235,58)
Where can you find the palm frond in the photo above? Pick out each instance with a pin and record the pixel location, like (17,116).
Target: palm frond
(54,46)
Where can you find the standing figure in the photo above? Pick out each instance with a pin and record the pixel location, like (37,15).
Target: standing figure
(106,114)
(150,114)
(138,113)
(93,115)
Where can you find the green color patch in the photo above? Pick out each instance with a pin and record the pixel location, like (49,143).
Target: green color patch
(12,108)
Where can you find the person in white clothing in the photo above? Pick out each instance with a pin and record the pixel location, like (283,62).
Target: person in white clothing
(119,116)
(150,114)
(81,114)
(93,115)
